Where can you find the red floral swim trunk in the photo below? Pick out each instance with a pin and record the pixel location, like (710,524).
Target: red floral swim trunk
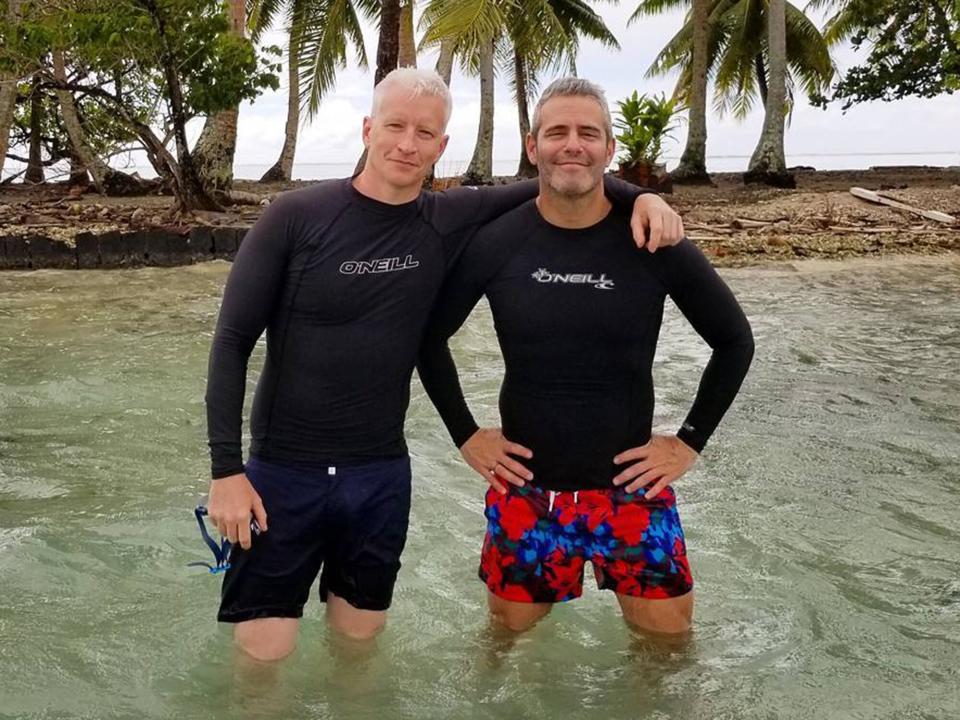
(538,541)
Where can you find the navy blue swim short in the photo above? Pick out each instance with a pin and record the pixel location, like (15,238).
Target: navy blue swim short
(348,524)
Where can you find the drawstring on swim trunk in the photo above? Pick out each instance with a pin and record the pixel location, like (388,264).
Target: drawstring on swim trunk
(553,497)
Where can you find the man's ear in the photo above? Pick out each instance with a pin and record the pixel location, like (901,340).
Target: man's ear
(443,146)
(531,144)
(611,150)
(365,133)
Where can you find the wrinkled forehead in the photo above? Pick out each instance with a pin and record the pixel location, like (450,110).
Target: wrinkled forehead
(400,102)
(570,111)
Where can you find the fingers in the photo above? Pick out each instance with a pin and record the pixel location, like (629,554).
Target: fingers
(260,513)
(637,453)
(232,533)
(517,449)
(243,533)
(638,225)
(656,232)
(659,487)
(496,484)
(631,472)
(645,479)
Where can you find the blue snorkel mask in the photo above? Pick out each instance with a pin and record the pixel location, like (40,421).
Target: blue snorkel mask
(221,552)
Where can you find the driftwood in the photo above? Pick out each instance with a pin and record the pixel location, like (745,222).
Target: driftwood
(239,197)
(878,199)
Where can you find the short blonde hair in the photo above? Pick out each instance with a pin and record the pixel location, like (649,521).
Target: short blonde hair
(419,82)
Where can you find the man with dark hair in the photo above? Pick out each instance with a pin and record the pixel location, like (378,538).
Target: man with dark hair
(576,474)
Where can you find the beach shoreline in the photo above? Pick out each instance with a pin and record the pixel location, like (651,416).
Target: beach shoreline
(734,224)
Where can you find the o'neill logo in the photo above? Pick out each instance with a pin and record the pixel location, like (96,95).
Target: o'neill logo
(382,265)
(600,283)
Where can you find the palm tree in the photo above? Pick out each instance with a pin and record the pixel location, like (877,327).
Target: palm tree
(408,44)
(478,30)
(524,38)
(546,35)
(319,33)
(693,163)
(218,140)
(737,53)
(768,163)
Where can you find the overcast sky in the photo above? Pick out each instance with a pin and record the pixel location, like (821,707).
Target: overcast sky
(907,126)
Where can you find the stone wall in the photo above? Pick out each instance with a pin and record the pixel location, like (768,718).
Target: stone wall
(120,249)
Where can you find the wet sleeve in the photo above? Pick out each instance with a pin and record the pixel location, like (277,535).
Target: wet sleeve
(461,291)
(710,307)
(250,298)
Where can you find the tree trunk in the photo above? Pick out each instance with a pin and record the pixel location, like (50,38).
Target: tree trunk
(445,61)
(388,50)
(526,169)
(218,141)
(8,90)
(693,163)
(78,144)
(282,169)
(407,53)
(762,76)
(388,45)
(481,166)
(768,164)
(187,185)
(34,174)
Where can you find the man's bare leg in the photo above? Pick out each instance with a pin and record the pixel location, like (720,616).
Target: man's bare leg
(267,639)
(353,623)
(514,616)
(665,618)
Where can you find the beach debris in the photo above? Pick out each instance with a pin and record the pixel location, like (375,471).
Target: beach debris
(878,199)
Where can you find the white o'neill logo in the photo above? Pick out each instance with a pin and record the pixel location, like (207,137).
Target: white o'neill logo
(600,283)
(381,265)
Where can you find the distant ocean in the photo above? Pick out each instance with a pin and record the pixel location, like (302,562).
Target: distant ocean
(306,170)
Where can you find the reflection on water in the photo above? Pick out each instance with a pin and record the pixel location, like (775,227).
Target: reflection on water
(822,523)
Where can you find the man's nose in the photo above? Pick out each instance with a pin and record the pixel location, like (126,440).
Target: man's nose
(406,142)
(573,143)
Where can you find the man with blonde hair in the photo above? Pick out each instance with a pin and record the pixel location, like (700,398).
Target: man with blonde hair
(342,276)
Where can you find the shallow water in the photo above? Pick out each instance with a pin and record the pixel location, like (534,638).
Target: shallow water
(822,522)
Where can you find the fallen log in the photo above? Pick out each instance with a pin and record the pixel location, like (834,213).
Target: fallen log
(872,197)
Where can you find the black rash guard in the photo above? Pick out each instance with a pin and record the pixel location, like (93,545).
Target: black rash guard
(343,286)
(577,314)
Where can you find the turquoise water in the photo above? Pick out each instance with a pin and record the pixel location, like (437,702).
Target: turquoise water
(822,521)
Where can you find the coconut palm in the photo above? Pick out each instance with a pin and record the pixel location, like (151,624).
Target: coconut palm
(738,55)
(545,35)
(768,163)
(319,35)
(693,163)
(525,39)
(478,30)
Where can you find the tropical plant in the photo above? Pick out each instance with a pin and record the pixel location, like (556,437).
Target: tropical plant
(738,53)
(180,50)
(644,123)
(914,47)
(320,33)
